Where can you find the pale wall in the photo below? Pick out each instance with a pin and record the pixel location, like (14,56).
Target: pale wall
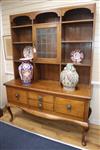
(10,7)
(0,57)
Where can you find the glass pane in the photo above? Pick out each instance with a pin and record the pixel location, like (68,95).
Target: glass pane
(47,42)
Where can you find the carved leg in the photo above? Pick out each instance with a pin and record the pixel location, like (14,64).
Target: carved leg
(90,111)
(1,112)
(9,110)
(85,130)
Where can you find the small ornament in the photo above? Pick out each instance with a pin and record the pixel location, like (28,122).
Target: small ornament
(69,77)
(77,56)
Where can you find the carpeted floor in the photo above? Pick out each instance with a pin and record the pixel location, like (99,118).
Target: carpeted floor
(13,138)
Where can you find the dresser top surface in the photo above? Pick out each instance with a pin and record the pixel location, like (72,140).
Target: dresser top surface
(53,87)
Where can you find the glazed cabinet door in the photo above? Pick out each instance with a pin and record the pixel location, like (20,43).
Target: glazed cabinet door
(47,40)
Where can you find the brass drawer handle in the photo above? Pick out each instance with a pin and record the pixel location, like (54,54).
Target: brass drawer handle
(40,98)
(69,107)
(17,96)
(40,104)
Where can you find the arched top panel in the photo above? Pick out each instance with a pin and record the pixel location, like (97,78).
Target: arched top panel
(46,17)
(77,14)
(21,20)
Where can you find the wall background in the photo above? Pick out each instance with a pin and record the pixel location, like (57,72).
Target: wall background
(10,7)
(0,56)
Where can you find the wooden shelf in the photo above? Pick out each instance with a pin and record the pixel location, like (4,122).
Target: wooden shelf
(22,26)
(24,42)
(77,64)
(19,61)
(51,24)
(83,63)
(77,21)
(45,62)
(77,41)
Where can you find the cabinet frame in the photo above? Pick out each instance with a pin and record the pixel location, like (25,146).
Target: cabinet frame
(49,83)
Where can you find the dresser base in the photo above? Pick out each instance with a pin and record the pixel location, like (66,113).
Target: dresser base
(84,125)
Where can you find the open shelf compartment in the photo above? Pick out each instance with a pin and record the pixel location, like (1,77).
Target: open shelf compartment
(77,14)
(76,32)
(47,72)
(22,35)
(83,72)
(46,17)
(21,21)
(86,48)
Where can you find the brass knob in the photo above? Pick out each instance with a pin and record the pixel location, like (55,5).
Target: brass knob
(40,100)
(69,107)
(17,96)
(40,105)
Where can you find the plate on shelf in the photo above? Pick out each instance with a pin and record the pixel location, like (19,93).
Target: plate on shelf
(28,52)
(77,56)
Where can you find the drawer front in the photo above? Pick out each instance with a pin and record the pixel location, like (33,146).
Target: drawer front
(40,96)
(16,95)
(69,107)
(41,106)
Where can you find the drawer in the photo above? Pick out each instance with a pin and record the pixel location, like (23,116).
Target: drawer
(16,95)
(69,107)
(41,106)
(40,96)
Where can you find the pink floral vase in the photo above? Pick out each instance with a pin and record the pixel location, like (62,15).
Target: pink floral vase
(69,77)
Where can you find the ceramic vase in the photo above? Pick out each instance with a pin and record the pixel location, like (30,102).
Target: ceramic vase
(26,72)
(69,77)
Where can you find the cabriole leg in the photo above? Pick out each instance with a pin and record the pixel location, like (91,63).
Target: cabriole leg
(85,130)
(11,114)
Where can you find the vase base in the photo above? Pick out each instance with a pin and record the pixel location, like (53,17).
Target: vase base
(26,84)
(69,88)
